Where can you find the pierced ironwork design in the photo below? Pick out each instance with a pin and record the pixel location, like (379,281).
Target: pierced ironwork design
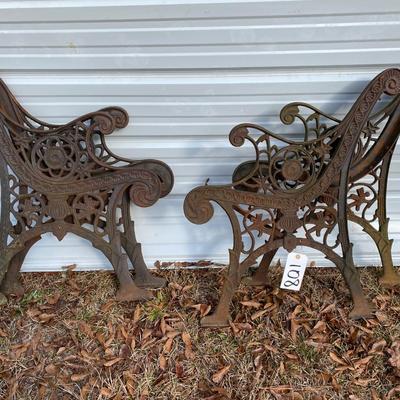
(304,192)
(64,178)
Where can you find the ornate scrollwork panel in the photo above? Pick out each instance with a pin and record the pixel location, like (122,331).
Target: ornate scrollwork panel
(62,178)
(257,226)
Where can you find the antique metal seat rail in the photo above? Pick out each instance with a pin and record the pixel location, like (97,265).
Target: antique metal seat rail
(303,193)
(64,178)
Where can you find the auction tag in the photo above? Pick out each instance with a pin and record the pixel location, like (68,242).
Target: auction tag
(294,271)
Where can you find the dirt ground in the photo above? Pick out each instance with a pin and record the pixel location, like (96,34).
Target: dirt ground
(67,338)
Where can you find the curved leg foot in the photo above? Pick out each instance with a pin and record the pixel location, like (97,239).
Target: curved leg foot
(143,277)
(150,281)
(214,321)
(128,290)
(221,316)
(131,292)
(260,276)
(390,278)
(12,288)
(11,284)
(362,309)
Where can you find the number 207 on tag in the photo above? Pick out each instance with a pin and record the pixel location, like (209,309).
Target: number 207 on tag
(294,271)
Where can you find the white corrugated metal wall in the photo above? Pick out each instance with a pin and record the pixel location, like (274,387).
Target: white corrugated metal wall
(187,71)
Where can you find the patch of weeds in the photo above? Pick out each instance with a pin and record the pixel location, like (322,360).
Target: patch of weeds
(294,368)
(222,341)
(34,296)
(343,381)
(85,314)
(381,365)
(307,353)
(154,314)
(223,337)
(381,332)
(155,309)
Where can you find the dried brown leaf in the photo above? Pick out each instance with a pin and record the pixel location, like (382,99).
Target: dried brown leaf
(258,314)
(131,387)
(329,308)
(363,382)
(179,370)
(378,347)
(320,326)
(44,317)
(106,306)
(123,331)
(106,392)
(188,346)
(78,377)
(137,314)
(168,345)
(219,375)
(146,333)
(363,361)
(110,363)
(53,299)
(244,326)
(162,361)
(86,329)
(51,369)
(203,309)
(337,359)
(172,334)
(394,352)
(251,303)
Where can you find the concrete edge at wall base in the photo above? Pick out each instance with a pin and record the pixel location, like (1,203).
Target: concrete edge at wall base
(95,265)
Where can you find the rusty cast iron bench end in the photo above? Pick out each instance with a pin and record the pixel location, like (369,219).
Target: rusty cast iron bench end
(63,179)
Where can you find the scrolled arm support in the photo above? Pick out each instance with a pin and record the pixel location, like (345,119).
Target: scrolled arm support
(199,210)
(146,189)
(162,170)
(291,111)
(119,115)
(197,206)
(101,121)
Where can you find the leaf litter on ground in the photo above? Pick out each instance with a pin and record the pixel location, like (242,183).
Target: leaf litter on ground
(67,338)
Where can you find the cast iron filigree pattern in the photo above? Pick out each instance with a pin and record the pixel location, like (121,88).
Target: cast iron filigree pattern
(308,190)
(64,178)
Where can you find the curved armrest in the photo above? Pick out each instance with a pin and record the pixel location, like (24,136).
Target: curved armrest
(199,210)
(248,175)
(101,121)
(87,131)
(312,122)
(18,117)
(296,166)
(281,166)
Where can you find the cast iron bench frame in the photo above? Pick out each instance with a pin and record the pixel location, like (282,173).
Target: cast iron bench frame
(305,185)
(64,178)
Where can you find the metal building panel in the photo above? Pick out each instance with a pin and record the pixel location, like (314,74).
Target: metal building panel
(187,71)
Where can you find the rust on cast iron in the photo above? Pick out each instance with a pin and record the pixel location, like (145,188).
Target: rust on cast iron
(303,193)
(64,178)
